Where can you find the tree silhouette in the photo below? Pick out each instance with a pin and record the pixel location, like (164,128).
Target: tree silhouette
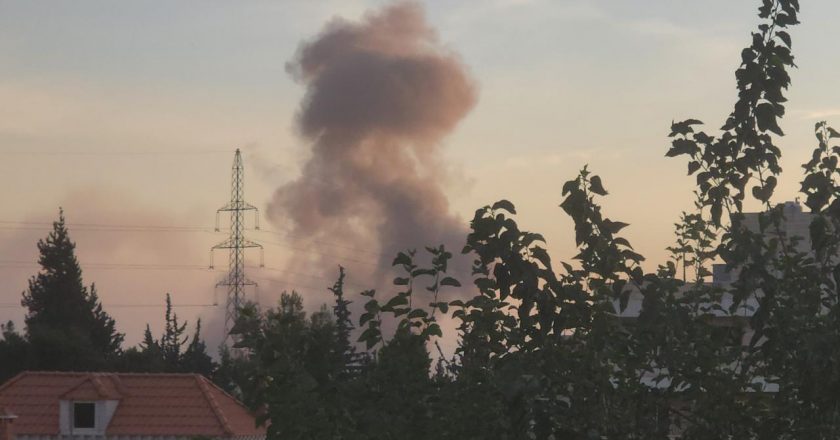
(65,322)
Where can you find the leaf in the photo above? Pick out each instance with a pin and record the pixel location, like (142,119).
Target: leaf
(614,227)
(449,281)
(682,146)
(596,186)
(569,186)
(420,272)
(400,281)
(765,117)
(401,260)
(433,330)
(398,300)
(504,204)
(417,313)
(692,167)
(683,127)
(443,306)
(370,337)
(764,193)
(372,306)
(785,37)
(367,316)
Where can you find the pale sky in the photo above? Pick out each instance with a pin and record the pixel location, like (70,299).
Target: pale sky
(127,113)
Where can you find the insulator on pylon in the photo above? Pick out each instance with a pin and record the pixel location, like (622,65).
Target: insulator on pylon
(235,280)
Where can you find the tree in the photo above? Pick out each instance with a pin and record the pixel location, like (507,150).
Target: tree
(14,351)
(167,354)
(173,338)
(195,358)
(65,322)
(543,349)
(346,352)
(295,369)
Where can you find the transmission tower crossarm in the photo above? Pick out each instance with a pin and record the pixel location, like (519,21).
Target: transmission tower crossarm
(236,243)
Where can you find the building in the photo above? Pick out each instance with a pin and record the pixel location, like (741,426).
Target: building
(120,406)
(794,226)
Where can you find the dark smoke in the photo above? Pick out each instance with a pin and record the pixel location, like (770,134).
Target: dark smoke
(381,95)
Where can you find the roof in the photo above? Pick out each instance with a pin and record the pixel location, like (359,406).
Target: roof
(149,404)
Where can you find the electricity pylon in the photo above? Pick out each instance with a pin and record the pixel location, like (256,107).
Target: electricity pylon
(235,280)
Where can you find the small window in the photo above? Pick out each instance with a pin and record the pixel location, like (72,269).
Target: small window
(84,415)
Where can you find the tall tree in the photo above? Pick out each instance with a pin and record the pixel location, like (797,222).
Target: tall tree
(345,351)
(13,351)
(195,359)
(173,338)
(65,321)
(168,354)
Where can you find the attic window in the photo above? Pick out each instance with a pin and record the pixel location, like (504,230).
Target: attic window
(84,415)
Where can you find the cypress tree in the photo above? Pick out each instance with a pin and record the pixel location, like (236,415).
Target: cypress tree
(13,349)
(345,351)
(173,338)
(149,357)
(65,322)
(195,359)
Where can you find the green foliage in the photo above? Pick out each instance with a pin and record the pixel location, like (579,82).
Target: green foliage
(725,164)
(173,338)
(168,354)
(293,368)
(593,348)
(14,350)
(65,323)
(195,358)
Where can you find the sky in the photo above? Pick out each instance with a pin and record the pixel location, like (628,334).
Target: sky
(126,114)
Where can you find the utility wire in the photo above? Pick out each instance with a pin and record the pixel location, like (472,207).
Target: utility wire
(111,152)
(101,227)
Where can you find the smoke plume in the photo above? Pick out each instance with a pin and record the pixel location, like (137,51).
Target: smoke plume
(381,95)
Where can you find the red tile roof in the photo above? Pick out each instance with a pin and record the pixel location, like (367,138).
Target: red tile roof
(149,404)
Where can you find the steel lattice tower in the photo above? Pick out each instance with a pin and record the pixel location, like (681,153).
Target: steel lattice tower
(235,280)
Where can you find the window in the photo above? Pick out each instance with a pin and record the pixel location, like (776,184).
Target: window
(84,415)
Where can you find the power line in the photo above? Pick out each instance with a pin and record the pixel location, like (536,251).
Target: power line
(106,266)
(108,226)
(111,152)
(112,227)
(20,264)
(12,305)
(285,283)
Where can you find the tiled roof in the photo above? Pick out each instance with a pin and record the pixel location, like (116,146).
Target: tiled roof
(149,404)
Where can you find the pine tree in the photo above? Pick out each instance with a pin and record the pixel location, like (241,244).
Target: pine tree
(346,353)
(167,354)
(104,331)
(149,357)
(173,338)
(195,359)
(13,349)
(65,323)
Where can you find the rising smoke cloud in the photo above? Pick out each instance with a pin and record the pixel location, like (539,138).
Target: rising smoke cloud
(381,95)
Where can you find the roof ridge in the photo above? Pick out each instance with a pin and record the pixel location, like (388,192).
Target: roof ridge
(100,373)
(85,378)
(220,389)
(202,384)
(100,388)
(11,381)
(118,385)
